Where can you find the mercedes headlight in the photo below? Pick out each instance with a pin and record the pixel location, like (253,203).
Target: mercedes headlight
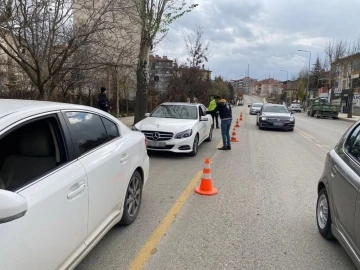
(184,134)
(292,119)
(134,128)
(263,118)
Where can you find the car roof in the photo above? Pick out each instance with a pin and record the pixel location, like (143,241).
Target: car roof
(274,105)
(181,103)
(10,106)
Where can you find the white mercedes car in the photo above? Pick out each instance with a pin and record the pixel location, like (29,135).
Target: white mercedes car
(177,127)
(68,174)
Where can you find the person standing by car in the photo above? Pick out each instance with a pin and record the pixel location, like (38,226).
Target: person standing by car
(225,112)
(103,101)
(212,106)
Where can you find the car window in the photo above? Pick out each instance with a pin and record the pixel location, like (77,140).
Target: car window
(111,129)
(30,151)
(87,130)
(175,111)
(353,144)
(203,108)
(275,109)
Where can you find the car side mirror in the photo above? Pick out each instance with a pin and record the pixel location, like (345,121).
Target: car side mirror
(147,114)
(13,206)
(248,106)
(204,119)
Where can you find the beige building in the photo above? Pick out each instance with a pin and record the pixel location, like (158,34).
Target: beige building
(11,75)
(118,44)
(267,87)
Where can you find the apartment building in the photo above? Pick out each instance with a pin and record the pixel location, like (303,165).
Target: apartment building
(120,45)
(268,87)
(161,72)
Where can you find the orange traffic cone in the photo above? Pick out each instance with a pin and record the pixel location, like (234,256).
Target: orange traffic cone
(205,187)
(233,136)
(241,117)
(237,123)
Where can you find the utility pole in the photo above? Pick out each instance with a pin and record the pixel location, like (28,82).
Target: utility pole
(308,81)
(248,82)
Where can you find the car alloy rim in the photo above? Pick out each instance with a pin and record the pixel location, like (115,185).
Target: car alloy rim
(322,211)
(133,196)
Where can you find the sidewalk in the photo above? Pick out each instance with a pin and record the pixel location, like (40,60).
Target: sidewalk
(343,116)
(128,121)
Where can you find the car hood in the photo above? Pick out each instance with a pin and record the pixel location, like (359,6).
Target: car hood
(256,108)
(165,124)
(281,115)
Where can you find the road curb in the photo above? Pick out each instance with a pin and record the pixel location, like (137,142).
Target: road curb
(348,119)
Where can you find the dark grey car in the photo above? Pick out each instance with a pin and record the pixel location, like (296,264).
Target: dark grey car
(338,204)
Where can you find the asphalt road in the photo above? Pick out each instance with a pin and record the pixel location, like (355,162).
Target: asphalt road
(262,218)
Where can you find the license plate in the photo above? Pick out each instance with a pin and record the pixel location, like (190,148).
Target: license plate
(156,144)
(278,124)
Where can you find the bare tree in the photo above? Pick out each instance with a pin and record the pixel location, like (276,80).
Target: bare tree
(43,37)
(196,47)
(119,53)
(154,18)
(334,50)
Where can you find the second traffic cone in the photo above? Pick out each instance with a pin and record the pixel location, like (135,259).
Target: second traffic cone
(233,137)
(237,123)
(241,117)
(206,187)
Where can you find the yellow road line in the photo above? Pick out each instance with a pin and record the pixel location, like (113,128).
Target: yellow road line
(319,145)
(148,248)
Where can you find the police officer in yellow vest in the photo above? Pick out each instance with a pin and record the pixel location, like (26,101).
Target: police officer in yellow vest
(212,106)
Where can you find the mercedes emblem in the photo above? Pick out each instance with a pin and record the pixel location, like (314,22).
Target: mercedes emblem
(156,136)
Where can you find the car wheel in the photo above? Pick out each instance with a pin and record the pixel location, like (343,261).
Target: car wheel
(133,198)
(323,216)
(195,146)
(208,139)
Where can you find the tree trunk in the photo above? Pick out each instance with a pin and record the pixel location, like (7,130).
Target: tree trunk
(43,93)
(350,103)
(142,78)
(350,98)
(117,92)
(127,100)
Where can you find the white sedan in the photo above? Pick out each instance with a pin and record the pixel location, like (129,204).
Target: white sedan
(177,127)
(68,174)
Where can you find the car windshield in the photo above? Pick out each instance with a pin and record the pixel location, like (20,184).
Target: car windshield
(296,105)
(275,109)
(175,111)
(257,105)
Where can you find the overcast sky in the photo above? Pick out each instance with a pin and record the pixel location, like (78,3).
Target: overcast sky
(264,33)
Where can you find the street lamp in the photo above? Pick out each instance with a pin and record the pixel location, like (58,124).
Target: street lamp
(287,80)
(308,82)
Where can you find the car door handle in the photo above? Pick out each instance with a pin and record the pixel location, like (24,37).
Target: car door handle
(77,191)
(124,158)
(334,170)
